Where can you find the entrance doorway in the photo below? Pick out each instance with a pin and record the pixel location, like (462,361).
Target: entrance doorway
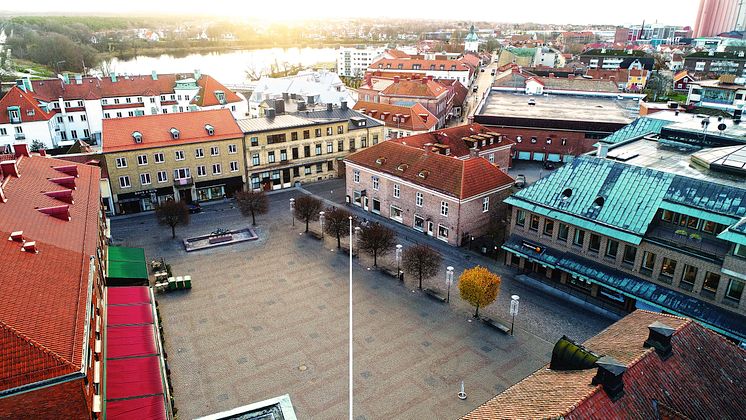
(430,228)
(186,195)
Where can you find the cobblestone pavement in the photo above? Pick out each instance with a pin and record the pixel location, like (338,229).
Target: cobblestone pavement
(269,317)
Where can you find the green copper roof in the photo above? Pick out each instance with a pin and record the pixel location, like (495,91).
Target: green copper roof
(735,233)
(636,129)
(472,35)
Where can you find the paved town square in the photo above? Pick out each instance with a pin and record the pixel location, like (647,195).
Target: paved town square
(269,317)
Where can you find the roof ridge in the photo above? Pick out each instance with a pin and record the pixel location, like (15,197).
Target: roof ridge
(35,344)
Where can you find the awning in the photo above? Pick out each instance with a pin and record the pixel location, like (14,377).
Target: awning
(145,408)
(130,341)
(134,377)
(129,315)
(724,322)
(126,266)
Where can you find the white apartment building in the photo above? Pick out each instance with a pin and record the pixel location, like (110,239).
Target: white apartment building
(353,62)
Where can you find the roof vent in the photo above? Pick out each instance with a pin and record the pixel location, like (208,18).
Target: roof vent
(137,136)
(423,174)
(65,196)
(380,161)
(609,376)
(65,181)
(569,355)
(599,202)
(30,247)
(71,170)
(59,212)
(659,338)
(9,168)
(403,167)
(567,193)
(16,236)
(174,133)
(210,129)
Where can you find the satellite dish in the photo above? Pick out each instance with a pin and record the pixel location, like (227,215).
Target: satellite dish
(722,126)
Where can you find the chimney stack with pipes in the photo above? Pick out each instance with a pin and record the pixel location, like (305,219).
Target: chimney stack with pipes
(603,150)
(609,375)
(659,338)
(343,105)
(21,149)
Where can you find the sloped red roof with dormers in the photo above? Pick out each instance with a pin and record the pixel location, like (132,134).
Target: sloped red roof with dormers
(422,88)
(414,118)
(28,106)
(44,294)
(207,95)
(458,178)
(418,64)
(454,139)
(156,129)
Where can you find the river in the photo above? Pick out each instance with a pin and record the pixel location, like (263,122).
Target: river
(226,66)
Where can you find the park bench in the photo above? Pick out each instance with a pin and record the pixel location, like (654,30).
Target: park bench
(346,250)
(496,325)
(434,294)
(315,235)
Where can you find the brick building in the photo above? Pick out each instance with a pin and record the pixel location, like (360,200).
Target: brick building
(400,121)
(54,260)
(441,196)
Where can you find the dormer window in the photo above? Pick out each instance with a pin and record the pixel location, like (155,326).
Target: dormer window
(174,133)
(137,136)
(403,167)
(380,161)
(220,95)
(599,202)
(423,174)
(14,114)
(567,193)
(210,129)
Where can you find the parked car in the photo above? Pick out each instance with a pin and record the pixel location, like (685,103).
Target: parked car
(520,181)
(532,101)
(194,208)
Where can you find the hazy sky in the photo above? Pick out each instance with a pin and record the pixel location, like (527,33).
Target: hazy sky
(676,12)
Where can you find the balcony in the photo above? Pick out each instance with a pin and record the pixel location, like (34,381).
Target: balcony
(183,182)
(708,247)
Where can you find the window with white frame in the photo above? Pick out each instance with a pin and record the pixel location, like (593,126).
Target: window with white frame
(214,151)
(124,182)
(142,160)
(162,176)
(444,208)
(491,157)
(232,149)
(121,162)
(330,147)
(234,166)
(199,152)
(145,179)
(216,169)
(255,159)
(485,204)
(179,155)
(201,170)
(181,173)
(375,183)
(356,176)
(442,232)
(418,199)
(396,191)
(158,157)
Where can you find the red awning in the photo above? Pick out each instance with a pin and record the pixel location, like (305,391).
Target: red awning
(130,341)
(129,314)
(127,378)
(145,408)
(127,295)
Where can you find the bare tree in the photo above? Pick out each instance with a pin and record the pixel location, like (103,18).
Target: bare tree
(338,224)
(421,261)
(172,213)
(252,203)
(307,208)
(376,240)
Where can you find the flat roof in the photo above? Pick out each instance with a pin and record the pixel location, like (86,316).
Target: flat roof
(561,107)
(650,153)
(693,123)
(279,122)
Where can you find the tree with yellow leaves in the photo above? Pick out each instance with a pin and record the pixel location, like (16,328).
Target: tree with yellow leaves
(479,287)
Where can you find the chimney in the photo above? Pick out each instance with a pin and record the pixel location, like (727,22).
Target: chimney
(396,79)
(659,338)
(603,150)
(21,149)
(197,74)
(2,194)
(30,247)
(154,75)
(42,152)
(269,113)
(570,76)
(21,84)
(368,79)
(9,168)
(113,77)
(551,74)
(609,375)
(343,105)
(330,107)
(16,236)
(285,96)
(78,79)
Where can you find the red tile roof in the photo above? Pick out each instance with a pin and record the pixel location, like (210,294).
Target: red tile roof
(453,138)
(682,74)
(206,95)
(459,91)
(410,64)
(155,129)
(458,178)
(470,59)
(28,106)
(43,313)
(423,88)
(705,374)
(397,53)
(414,118)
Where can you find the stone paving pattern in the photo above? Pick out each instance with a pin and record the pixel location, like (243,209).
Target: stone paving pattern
(261,311)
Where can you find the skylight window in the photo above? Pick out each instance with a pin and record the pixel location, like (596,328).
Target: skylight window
(567,193)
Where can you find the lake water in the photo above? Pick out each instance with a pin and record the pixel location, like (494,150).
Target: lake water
(226,66)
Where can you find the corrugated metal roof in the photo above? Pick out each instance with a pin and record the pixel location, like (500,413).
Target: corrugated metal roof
(637,129)
(338,114)
(252,125)
(708,196)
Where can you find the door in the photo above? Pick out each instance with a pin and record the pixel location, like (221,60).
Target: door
(186,195)
(365,203)
(430,228)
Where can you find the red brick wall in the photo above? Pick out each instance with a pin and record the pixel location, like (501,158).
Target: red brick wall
(576,141)
(63,401)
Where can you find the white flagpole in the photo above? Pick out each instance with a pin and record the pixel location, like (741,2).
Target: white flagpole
(352,239)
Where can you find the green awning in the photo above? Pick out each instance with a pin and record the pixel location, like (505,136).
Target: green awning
(127,263)
(121,253)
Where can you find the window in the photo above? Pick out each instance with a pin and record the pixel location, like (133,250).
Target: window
(83,118)
(485,204)
(128,100)
(306,151)
(734,290)
(419,223)
(214,151)
(283,155)
(612,247)
(121,162)
(145,179)
(318,149)
(107,115)
(688,277)
(329,131)
(152,100)
(3,132)
(340,145)
(579,237)
(548,227)
(563,141)
(255,141)
(119,115)
(443,208)
(667,216)
(179,155)
(711,284)
(340,129)
(319,167)
(317,132)
(396,191)
(563,232)
(594,244)
(234,166)
(124,182)
(363,141)
(199,153)
(86,133)
(534,225)
(201,170)
(294,136)
(630,253)
(648,262)
(356,176)
(330,147)
(255,159)
(162,176)
(520,219)
(396,213)
(232,149)
(182,173)
(74,134)
(375,183)
(549,141)
(306,134)
(740,251)
(63,135)
(418,198)
(142,160)
(668,267)
(352,144)
(442,232)
(307,170)
(158,157)
(533,140)
(271,157)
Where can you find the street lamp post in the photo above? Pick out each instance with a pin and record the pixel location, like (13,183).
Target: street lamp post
(292,210)
(398,261)
(321,222)
(449,281)
(513,311)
